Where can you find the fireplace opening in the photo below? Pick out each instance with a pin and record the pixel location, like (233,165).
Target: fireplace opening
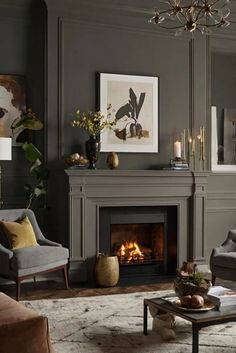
(138,243)
(143,238)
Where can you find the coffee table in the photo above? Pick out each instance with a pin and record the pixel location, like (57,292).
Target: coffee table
(198,319)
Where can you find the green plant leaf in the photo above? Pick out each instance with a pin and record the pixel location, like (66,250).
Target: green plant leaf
(39,191)
(27,122)
(31,152)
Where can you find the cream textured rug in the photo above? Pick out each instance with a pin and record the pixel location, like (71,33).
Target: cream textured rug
(114,324)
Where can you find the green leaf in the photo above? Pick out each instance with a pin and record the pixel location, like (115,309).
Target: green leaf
(31,152)
(27,122)
(39,191)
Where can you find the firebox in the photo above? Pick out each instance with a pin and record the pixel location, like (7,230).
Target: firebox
(143,238)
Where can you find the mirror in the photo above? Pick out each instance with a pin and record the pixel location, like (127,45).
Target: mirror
(223,111)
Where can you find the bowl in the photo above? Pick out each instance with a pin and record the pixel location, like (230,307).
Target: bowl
(183,287)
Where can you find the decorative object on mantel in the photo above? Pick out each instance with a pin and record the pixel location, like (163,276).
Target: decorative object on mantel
(201,140)
(93,123)
(179,161)
(75,160)
(107,270)
(192,15)
(112,160)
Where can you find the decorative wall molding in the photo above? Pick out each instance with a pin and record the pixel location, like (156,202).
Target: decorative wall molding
(223,195)
(62,23)
(220,209)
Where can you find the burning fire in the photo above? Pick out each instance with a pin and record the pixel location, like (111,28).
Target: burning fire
(130,251)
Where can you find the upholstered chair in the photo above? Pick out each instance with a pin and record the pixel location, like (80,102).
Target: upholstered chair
(29,261)
(223,259)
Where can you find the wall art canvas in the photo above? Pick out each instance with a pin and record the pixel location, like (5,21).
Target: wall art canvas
(134,107)
(12,103)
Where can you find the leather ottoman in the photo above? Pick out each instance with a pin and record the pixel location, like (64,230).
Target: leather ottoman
(22,330)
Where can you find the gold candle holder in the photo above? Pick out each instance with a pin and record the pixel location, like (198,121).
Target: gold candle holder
(201,138)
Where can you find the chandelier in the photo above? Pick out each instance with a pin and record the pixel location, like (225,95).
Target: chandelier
(192,15)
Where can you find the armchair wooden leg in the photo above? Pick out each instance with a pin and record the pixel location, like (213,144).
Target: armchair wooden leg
(213,279)
(34,279)
(17,288)
(64,271)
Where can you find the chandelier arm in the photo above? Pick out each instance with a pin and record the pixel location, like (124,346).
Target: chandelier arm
(163,12)
(215,2)
(209,25)
(170,27)
(200,12)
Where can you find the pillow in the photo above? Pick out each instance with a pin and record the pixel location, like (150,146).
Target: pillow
(20,233)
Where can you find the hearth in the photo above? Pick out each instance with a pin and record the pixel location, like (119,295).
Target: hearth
(143,238)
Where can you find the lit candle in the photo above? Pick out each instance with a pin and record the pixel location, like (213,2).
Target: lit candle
(177,149)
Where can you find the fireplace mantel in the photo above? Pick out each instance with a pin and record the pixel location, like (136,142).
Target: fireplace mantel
(92,189)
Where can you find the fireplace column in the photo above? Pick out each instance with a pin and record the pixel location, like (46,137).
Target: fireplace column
(198,218)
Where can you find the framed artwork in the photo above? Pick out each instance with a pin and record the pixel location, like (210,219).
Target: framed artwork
(12,103)
(134,105)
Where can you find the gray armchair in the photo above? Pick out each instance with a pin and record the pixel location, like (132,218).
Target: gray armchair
(27,262)
(223,259)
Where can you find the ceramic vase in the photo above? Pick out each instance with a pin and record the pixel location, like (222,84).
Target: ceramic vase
(92,147)
(107,270)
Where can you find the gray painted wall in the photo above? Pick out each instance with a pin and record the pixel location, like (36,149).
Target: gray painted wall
(84,38)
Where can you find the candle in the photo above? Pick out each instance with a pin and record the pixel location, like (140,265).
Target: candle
(177,149)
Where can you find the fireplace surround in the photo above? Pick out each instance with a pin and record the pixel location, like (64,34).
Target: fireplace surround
(92,191)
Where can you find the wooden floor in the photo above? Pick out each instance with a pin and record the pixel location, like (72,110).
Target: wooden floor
(55,290)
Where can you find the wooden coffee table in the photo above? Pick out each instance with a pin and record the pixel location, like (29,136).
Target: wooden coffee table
(198,319)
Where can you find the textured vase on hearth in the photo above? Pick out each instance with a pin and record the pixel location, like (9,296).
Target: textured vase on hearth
(92,147)
(107,270)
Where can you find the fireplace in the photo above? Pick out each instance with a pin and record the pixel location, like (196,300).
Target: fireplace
(181,194)
(143,238)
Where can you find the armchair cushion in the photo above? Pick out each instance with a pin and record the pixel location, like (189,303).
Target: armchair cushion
(20,233)
(38,256)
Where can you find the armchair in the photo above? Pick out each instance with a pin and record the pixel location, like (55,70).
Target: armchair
(223,259)
(23,263)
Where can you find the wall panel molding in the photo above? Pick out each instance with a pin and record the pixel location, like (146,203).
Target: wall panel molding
(64,21)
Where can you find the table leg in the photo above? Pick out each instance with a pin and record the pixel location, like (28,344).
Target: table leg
(145,317)
(195,338)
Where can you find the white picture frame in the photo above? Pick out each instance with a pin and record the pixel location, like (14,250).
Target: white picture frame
(215,167)
(135,106)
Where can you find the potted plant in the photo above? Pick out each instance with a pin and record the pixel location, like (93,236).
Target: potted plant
(38,171)
(190,282)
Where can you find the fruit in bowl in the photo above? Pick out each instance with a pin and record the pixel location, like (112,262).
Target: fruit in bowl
(76,159)
(191,301)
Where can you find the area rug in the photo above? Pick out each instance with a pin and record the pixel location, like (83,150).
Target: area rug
(114,324)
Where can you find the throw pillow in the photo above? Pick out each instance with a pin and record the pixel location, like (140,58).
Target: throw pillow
(19,233)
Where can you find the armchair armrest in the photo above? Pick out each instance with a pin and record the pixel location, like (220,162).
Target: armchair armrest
(47,242)
(5,256)
(5,252)
(218,250)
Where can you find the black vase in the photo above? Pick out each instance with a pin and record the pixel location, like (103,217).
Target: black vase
(92,147)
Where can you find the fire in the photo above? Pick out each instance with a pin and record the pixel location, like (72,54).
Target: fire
(130,251)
